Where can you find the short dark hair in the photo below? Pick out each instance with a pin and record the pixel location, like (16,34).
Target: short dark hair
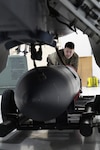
(70,45)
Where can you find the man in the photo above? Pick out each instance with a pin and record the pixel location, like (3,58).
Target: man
(66,56)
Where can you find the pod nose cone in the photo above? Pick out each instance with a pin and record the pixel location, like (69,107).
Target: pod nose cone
(44,94)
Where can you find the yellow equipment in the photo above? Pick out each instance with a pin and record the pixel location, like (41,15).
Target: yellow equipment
(92,82)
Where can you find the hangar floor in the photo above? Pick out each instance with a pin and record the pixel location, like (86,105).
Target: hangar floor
(52,140)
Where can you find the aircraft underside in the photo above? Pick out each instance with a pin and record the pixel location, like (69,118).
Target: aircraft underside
(42,22)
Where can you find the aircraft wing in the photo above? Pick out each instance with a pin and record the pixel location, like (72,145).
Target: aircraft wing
(84,15)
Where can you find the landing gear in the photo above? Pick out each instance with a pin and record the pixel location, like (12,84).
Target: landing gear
(8,109)
(8,105)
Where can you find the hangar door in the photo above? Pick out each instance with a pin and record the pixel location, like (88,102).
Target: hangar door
(85,69)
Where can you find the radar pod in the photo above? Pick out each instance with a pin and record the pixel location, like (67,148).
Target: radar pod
(44,93)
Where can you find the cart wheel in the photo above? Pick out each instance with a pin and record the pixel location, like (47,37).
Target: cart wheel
(97,104)
(7,104)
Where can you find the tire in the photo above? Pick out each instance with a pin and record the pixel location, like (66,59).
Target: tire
(97,104)
(7,104)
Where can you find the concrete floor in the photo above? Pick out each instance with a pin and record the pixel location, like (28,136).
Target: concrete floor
(52,140)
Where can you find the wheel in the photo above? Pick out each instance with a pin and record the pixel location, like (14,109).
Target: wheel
(97,104)
(7,104)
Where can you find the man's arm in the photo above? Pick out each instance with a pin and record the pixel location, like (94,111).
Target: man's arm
(49,62)
(75,62)
(52,59)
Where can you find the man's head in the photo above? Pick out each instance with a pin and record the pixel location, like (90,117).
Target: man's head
(69,50)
